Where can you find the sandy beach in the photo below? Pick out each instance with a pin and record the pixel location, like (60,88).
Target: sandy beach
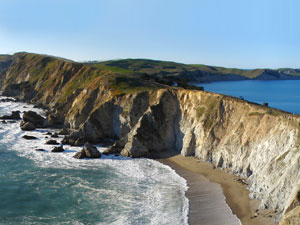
(207,188)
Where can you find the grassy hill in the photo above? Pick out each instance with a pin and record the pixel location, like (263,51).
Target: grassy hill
(44,73)
(165,69)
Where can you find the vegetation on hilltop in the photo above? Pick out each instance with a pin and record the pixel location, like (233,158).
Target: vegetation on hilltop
(177,71)
(5,58)
(51,75)
(44,73)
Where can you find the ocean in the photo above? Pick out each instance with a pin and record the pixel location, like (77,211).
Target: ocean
(281,94)
(55,188)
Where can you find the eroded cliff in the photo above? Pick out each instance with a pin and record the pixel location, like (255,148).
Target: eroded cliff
(145,118)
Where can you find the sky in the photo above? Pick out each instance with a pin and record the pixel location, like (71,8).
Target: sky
(230,33)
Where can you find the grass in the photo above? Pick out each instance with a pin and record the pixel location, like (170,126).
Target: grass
(211,112)
(123,76)
(126,85)
(255,114)
(200,111)
(232,71)
(273,112)
(5,58)
(158,68)
(113,69)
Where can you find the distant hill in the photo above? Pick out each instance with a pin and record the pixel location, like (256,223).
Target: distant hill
(192,72)
(126,75)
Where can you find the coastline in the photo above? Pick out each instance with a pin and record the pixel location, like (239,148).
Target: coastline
(203,180)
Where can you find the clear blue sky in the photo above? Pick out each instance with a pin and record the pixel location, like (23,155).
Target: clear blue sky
(231,33)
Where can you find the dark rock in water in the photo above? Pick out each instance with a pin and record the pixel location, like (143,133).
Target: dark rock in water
(28,126)
(91,151)
(15,115)
(55,135)
(34,118)
(8,100)
(3,121)
(72,141)
(80,155)
(88,151)
(39,105)
(48,133)
(11,121)
(63,132)
(79,141)
(40,150)
(116,148)
(52,142)
(65,140)
(28,137)
(58,149)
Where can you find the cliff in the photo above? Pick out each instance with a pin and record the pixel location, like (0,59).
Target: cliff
(145,117)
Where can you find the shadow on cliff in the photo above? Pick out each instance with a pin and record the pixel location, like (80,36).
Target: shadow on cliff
(168,115)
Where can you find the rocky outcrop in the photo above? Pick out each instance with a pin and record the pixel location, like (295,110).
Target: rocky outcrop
(256,142)
(88,151)
(27,126)
(34,118)
(58,149)
(253,141)
(52,142)
(15,115)
(29,137)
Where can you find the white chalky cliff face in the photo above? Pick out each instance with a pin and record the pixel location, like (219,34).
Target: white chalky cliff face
(255,142)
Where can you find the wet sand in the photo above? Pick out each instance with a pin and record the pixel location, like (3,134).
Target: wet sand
(208,188)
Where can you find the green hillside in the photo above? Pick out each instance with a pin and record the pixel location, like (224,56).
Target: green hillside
(165,69)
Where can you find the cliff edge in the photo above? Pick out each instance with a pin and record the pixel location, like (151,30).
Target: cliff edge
(144,117)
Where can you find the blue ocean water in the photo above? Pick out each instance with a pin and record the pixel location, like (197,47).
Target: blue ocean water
(281,94)
(54,188)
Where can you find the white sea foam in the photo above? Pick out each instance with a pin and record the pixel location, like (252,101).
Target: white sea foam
(155,186)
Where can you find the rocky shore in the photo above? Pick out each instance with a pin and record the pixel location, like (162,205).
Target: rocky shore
(257,143)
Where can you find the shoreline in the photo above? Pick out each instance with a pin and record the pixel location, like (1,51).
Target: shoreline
(202,180)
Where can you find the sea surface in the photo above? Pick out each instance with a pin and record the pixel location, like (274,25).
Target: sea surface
(281,94)
(54,188)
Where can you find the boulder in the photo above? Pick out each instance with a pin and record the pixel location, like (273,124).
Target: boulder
(34,118)
(7,100)
(65,140)
(40,150)
(63,132)
(58,149)
(28,137)
(91,151)
(15,115)
(80,155)
(79,141)
(27,126)
(116,148)
(52,142)
(55,135)
(73,141)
